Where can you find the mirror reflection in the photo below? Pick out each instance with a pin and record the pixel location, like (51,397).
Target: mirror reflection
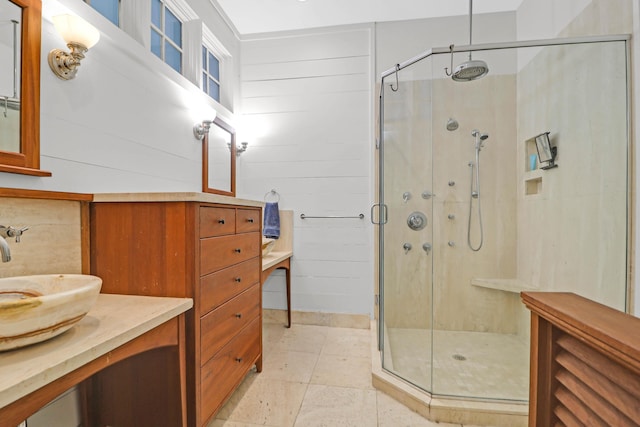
(219,165)
(10,48)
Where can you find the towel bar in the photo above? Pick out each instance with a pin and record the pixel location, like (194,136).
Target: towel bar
(361,216)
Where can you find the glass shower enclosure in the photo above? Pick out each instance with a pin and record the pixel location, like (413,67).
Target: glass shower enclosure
(518,181)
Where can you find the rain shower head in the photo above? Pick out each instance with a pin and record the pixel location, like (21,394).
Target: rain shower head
(470,70)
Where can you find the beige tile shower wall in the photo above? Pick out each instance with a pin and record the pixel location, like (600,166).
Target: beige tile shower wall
(573,233)
(546,19)
(590,241)
(415,130)
(53,242)
(488,105)
(407,153)
(602,17)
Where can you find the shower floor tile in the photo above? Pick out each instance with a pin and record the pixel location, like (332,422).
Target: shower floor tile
(466,364)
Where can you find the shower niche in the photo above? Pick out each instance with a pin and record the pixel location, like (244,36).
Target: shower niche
(533,172)
(540,155)
(533,183)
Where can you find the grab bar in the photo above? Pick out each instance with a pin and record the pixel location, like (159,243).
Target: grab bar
(361,216)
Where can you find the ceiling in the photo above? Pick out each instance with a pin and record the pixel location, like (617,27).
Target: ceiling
(260,16)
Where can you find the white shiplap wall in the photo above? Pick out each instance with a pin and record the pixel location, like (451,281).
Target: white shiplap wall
(307,110)
(124,124)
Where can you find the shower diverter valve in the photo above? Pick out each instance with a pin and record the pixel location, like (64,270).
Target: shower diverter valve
(417,221)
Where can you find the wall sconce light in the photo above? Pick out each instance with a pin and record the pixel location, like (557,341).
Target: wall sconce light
(239,150)
(80,37)
(201,129)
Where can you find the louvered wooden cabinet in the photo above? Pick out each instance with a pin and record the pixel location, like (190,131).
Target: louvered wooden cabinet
(585,363)
(208,252)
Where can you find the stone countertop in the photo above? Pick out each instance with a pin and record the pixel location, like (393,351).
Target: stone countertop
(274,258)
(174,197)
(113,321)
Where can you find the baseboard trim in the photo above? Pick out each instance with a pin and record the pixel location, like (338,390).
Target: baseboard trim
(336,320)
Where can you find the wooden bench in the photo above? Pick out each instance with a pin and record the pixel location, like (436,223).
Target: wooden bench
(280,256)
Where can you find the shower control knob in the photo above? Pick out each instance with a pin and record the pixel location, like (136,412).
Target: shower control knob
(417,221)
(427,195)
(451,216)
(451,243)
(427,247)
(407,247)
(452,183)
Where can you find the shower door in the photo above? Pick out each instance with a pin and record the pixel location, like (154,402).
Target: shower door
(470,217)
(406,237)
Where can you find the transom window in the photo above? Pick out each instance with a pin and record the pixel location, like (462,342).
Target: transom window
(110,9)
(166,35)
(210,74)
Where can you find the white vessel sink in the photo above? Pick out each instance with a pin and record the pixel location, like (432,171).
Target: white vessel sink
(37,308)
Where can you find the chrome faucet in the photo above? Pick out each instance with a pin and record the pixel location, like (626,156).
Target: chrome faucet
(6,232)
(5,250)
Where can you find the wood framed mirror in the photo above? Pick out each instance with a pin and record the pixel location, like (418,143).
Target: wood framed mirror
(20,28)
(219,159)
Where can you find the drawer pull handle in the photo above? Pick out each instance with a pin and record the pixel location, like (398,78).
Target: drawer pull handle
(237,250)
(221,221)
(239,359)
(250,220)
(239,315)
(238,279)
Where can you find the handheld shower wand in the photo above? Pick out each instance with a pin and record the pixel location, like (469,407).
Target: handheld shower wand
(479,139)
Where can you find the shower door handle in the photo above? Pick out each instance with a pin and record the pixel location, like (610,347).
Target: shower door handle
(382,214)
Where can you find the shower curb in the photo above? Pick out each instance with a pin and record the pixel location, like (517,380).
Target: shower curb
(439,409)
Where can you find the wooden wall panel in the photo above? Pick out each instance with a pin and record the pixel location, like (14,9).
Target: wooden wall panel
(585,363)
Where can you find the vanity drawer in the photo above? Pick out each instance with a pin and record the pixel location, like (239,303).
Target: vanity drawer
(220,252)
(217,221)
(247,220)
(223,373)
(219,287)
(218,327)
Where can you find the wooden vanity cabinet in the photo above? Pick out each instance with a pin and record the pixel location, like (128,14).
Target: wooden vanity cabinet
(208,252)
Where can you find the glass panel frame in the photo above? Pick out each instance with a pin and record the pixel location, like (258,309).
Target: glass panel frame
(211,73)
(169,30)
(172,56)
(406,303)
(110,9)
(172,27)
(583,161)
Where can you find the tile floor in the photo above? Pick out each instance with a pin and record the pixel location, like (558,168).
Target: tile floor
(315,376)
